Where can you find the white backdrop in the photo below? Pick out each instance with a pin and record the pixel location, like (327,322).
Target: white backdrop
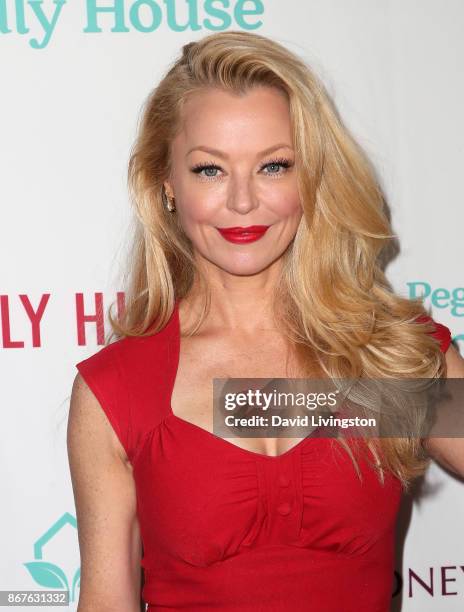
(73,80)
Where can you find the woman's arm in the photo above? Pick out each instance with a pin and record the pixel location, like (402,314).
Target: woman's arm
(105,500)
(449,452)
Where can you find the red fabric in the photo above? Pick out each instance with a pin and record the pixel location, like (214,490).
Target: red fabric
(229,529)
(441,333)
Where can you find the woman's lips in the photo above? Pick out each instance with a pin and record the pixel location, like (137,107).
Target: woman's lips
(242,235)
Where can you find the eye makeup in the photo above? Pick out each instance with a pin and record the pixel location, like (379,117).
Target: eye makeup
(284,162)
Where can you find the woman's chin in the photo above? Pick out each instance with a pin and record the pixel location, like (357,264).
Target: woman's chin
(244,267)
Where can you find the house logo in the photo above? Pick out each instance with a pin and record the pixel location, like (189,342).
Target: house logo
(47,574)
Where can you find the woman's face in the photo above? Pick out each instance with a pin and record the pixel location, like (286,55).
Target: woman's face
(233,166)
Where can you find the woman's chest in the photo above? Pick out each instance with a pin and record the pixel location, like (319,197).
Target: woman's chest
(204,499)
(193,399)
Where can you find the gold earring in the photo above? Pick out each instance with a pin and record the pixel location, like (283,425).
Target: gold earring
(169,202)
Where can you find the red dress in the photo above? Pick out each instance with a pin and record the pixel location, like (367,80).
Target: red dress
(229,529)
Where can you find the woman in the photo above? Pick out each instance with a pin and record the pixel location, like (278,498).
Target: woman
(259,229)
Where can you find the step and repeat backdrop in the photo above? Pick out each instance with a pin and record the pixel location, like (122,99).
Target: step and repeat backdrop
(74,76)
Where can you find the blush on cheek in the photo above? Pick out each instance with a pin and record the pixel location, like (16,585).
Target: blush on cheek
(200,210)
(283,204)
(292,211)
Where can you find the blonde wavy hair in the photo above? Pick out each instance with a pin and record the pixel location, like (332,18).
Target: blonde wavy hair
(334,302)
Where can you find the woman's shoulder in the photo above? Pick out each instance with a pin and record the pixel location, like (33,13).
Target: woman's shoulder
(132,379)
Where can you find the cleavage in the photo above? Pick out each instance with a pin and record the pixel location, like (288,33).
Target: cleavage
(201,361)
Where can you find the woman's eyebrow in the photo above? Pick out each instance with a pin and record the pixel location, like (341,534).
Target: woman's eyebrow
(218,153)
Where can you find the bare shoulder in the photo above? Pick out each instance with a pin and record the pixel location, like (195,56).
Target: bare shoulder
(105,501)
(88,422)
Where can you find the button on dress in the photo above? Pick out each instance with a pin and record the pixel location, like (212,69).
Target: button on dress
(229,529)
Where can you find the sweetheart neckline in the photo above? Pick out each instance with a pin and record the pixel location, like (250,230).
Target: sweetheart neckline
(204,431)
(226,442)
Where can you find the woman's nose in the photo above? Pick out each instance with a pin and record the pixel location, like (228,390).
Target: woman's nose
(242,199)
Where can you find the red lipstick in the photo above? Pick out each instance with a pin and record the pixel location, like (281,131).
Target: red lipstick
(242,235)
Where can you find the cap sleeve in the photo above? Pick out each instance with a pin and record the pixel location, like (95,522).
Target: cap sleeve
(441,332)
(102,373)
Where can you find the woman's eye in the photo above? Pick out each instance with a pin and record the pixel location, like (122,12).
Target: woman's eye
(209,171)
(275,166)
